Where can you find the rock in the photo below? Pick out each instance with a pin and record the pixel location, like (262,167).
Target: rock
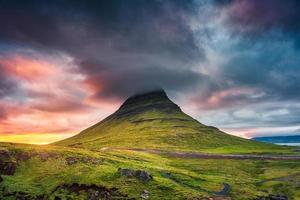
(278,197)
(7,165)
(23,156)
(4,154)
(221,198)
(127,172)
(47,155)
(94,192)
(139,174)
(71,160)
(143,175)
(274,197)
(145,194)
(166,174)
(98,194)
(94,161)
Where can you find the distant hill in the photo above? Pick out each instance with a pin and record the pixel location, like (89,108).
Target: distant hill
(152,120)
(279,139)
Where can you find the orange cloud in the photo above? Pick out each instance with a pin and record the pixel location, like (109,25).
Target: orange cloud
(27,68)
(53,100)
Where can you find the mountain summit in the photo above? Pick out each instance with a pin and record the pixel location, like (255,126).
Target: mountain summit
(152,120)
(154,100)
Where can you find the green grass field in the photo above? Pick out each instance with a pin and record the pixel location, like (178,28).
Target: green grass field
(187,179)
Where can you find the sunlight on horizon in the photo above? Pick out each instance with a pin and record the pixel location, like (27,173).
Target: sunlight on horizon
(35,138)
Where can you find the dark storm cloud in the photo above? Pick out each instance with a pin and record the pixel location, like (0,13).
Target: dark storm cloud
(147,25)
(262,49)
(270,66)
(228,53)
(262,15)
(123,33)
(109,81)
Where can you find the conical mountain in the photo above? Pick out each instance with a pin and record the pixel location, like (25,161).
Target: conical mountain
(152,120)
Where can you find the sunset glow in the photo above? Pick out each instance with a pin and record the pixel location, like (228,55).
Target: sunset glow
(36,138)
(232,64)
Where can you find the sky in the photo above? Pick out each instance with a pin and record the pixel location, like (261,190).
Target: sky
(65,65)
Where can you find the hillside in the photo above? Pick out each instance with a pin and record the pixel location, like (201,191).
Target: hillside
(149,149)
(31,172)
(152,121)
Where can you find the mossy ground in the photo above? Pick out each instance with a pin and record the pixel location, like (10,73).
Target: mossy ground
(152,121)
(168,131)
(188,178)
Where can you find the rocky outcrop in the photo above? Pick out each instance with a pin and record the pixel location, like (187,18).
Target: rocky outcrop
(90,160)
(274,197)
(22,156)
(139,174)
(22,196)
(145,194)
(93,192)
(71,160)
(7,164)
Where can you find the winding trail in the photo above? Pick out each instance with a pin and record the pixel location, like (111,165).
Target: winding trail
(197,155)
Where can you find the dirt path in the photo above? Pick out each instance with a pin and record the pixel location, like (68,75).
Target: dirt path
(196,155)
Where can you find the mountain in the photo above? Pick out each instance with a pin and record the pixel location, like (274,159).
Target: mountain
(279,139)
(152,120)
(84,167)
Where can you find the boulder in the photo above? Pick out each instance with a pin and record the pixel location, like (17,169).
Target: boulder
(23,156)
(274,197)
(7,165)
(221,198)
(278,197)
(143,175)
(94,161)
(71,160)
(139,174)
(145,194)
(44,156)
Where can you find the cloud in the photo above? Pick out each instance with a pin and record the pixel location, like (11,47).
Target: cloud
(129,36)
(262,15)
(231,63)
(7,86)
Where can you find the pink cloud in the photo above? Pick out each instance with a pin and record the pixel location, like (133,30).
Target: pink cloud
(53,98)
(27,68)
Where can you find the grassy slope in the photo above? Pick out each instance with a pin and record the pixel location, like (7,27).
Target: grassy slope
(156,122)
(153,123)
(190,177)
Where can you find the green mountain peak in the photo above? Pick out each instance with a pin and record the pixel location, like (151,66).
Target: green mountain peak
(153,100)
(152,120)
